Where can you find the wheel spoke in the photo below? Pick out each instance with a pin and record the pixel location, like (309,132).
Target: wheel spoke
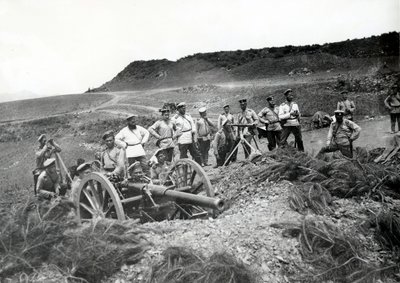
(197,189)
(90,199)
(97,194)
(192,178)
(87,208)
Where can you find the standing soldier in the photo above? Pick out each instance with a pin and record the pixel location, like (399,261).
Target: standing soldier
(346,105)
(204,128)
(163,130)
(269,116)
(112,158)
(392,103)
(227,114)
(132,138)
(44,152)
(289,114)
(246,117)
(341,135)
(223,142)
(185,132)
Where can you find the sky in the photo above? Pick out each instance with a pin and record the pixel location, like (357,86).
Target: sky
(50,47)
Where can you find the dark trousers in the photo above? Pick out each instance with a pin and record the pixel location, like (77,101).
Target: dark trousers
(274,138)
(143,163)
(192,148)
(346,150)
(395,117)
(169,153)
(204,147)
(296,131)
(222,154)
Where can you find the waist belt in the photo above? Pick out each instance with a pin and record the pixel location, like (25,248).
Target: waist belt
(186,131)
(128,144)
(165,138)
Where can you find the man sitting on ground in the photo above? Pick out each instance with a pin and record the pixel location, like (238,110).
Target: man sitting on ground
(160,167)
(341,135)
(48,183)
(321,119)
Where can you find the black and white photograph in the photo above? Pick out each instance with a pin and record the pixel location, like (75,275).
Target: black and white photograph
(183,141)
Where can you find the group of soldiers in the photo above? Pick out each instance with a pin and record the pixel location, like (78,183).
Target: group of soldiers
(125,153)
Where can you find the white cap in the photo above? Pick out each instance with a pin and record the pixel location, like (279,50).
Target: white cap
(202,109)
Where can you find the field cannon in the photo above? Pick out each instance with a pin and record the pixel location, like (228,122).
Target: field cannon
(186,193)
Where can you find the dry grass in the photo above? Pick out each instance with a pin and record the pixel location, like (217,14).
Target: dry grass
(181,265)
(40,233)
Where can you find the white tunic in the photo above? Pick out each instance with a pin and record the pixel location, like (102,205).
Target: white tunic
(132,140)
(184,128)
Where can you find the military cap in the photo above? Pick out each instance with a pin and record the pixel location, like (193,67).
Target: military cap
(344,92)
(163,110)
(41,137)
(339,112)
(226,105)
(159,151)
(242,100)
(289,90)
(48,162)
(181,104)
(202,109)
(82,167)
(269,98)
(108,134)
(130,117)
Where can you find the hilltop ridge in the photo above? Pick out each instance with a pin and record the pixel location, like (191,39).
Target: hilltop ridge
(225,66)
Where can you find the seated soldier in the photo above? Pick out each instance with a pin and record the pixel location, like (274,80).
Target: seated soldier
(136,173)
(321,119)
(48,183)
(82,170)
(160,167)
(112,158)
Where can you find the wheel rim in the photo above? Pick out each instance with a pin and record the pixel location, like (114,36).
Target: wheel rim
(96,198)
(186,172)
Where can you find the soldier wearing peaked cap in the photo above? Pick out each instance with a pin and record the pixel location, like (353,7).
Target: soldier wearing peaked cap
(346,105)
(186,134)
(289,115)
(204,128)
(45,151)
(269,116)
(227,114)
(132,138)
(48,183)
(112,158)
(342,133)
(246,117)
(164,130)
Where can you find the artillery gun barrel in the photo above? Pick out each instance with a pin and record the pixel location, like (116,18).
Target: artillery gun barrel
(203,201)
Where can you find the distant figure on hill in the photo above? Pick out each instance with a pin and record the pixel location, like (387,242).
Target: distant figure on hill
(392,103)
(204,128)
(346,105)
(132,138)
(186,132)
(269,116)
(321,119)
(112,159)
(289,115)
(341,135)
(44,152)
(163,130)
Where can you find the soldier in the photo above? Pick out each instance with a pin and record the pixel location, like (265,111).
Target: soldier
(346,105)
(204,129)
(163,130)
(341,135)
(159,169)
(321,119)
(132,138)
(289,114)
(44,152)
(112,158)
(223,142)
(392,103)
(185,132)
(246,117)
(48,182)
(269,116)
(227,114)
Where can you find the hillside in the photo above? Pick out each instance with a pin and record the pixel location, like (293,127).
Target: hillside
(226,66)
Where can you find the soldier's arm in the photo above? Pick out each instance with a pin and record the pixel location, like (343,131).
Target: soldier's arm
(145,133)
(330,134)
(153,130)
(255,117)
(57,148)
(352,106)
(41,152)
(215,143)
(356,130)
(282,113)
(386,102)
(120,166)
(261,116)
(119,140)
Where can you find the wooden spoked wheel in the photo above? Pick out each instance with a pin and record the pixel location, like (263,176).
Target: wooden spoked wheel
(188,176)
(96,198)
